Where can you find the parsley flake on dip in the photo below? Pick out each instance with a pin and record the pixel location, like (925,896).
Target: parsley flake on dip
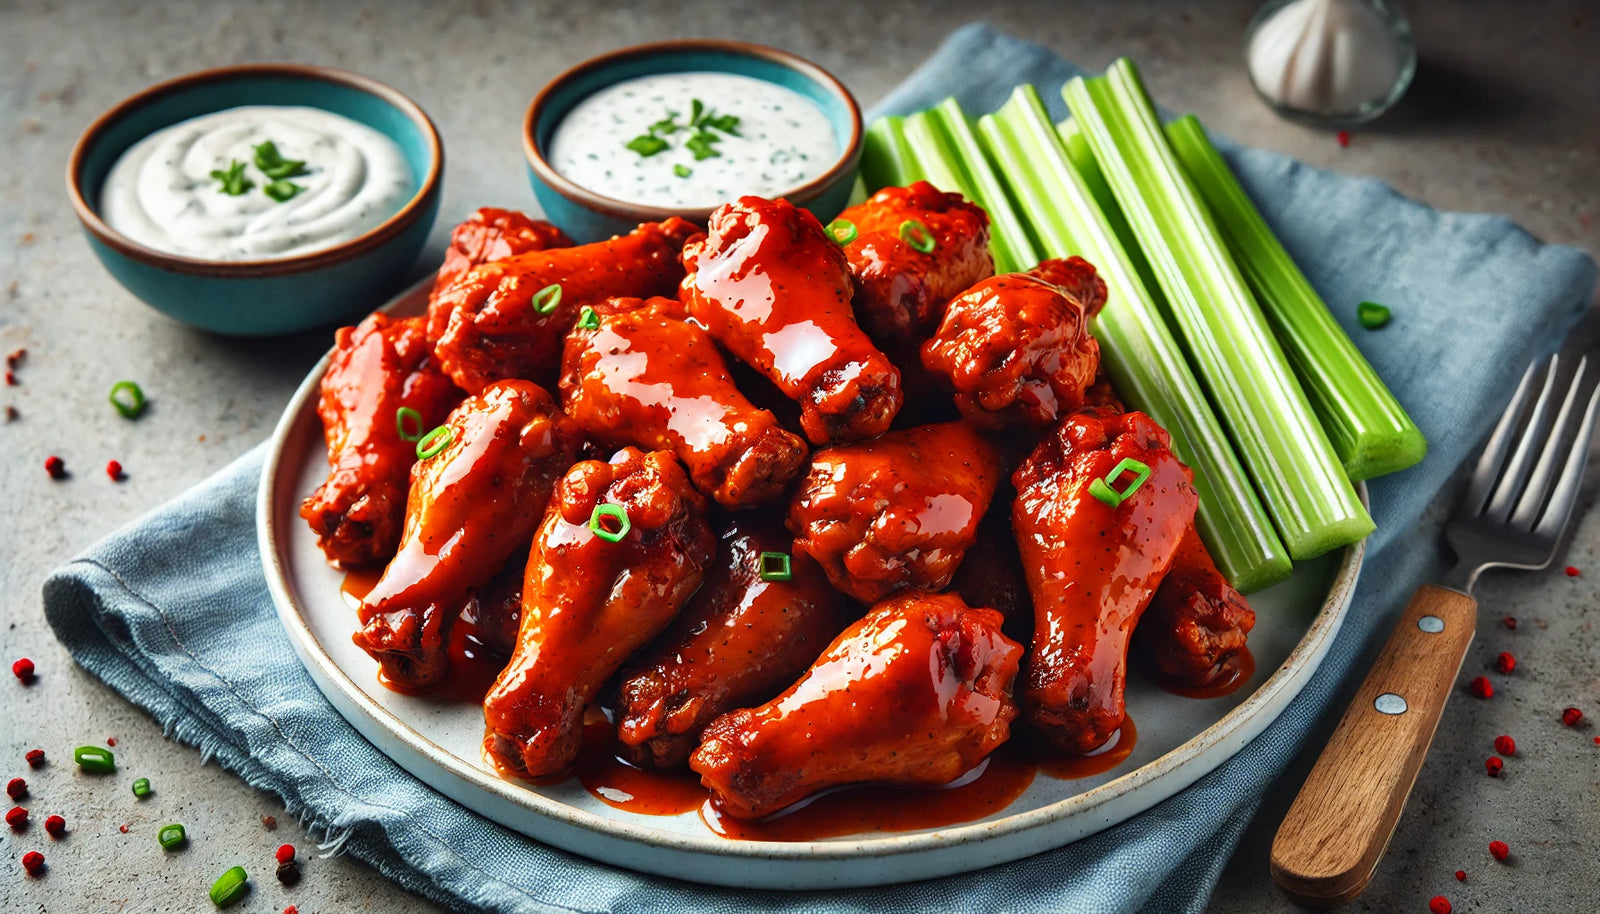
(693,140)
(255,183)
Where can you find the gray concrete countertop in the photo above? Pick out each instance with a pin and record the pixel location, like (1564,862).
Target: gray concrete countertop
(1504,117)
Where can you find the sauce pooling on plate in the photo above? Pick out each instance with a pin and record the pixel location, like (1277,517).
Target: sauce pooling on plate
(696,139)
(211,188)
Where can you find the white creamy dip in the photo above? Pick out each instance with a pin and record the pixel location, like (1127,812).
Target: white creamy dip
(161,192)
(782,140)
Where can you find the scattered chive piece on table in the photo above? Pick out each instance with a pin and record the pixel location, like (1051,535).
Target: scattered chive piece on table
(547,299)
(775,566)
(434,442)
(1368,428)
(886,159)
(597,522)
(141,788)
(413,432)
(128,398)
(95,759)
(230,888)
(1138,350)
(1373,315)
(171,836)
(1294,467)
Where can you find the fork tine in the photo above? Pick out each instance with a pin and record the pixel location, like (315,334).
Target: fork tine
(1533,495)
(1516,468)
(1494,453)
(1565,494)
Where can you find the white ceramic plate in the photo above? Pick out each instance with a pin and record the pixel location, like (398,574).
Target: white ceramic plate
(1179,739)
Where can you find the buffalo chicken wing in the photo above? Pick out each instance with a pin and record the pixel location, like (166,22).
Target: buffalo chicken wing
(775,290)
(895,512)
(1092,565)
(471,506)
(507,318)
(645,375)
(1197,621)
(621,548)
(917,692)
(495,234)
(377,368)
(751,630)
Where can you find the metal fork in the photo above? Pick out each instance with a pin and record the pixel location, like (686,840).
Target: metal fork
(1513,514)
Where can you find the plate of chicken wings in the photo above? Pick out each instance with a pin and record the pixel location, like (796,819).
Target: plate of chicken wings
(767,553)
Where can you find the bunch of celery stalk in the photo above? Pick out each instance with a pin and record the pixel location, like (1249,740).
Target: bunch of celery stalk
(1209,327)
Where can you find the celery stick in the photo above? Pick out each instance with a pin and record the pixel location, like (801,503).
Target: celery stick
(948,155)
(1082,159)
(1268,416)
(1138,350)
(1367,426)
(885,158)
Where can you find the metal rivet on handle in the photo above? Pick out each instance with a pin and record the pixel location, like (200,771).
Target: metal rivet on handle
(1390,703)
(1433,625)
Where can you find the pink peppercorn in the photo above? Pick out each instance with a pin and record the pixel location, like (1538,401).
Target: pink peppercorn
(56,467)
(1509,622)
(1481,687)
(1571,717)
(1505,745)
(114,470)
(1499,850)
(22,668)
(1505,663)
(1461,875)
(33,862)
(35,758)
(17,818)
(1494,766)
(284,853)
(1343,137)
(55,825)
(16,788)
(1439,905)
(1572,571)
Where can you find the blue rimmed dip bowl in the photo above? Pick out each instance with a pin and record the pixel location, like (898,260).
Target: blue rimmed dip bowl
(268,296)
(587,215)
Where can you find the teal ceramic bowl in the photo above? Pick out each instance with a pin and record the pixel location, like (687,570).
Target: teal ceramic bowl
(589,216)
(263,297)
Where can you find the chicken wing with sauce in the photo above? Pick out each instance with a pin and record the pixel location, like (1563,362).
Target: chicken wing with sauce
(916,692)
(588,602)
(507,318)
(471,506)
(740,641)
(895,512)
(901,290)
(377,368)
(1197,621)
(775,290)
(495,234)
(1093,568)
(646,375)
(1017,348)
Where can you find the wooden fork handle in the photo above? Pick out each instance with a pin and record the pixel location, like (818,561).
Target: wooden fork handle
(1339,825)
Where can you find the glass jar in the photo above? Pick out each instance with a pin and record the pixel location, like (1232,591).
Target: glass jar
(1332,63)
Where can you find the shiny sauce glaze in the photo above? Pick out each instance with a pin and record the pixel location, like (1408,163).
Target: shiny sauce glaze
(1235,672)
(1115,751)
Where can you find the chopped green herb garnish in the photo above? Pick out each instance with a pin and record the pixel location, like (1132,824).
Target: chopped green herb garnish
(234,183)
(274,165)
(230,887)
(171,836)
(597,522)
(682,171)
(1372,315)
(1103,490)
(696,109)
(775,567)
(434,442)
(648,144)
(700,145)
(128,398)
(727,123)
(141,788)
(282,190)
(95,759)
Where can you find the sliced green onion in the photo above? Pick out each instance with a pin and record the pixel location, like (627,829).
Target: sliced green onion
(131,405)
(1372,316)
(434,442)
(951,159)
(615,512)
(1290,459)
(775,566)
(1105,488)
(171,836)
(545,300)
(95,758)
(1137,349)
(1369,429)
(917,235)
(408,434)
(886,160)
(588,319)
(230,887)
(141,788)
(842,231)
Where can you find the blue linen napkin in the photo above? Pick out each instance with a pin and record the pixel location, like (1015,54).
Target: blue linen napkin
(190,634)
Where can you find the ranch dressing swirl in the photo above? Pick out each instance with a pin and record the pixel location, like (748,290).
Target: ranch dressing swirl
(161,192)
(783,140)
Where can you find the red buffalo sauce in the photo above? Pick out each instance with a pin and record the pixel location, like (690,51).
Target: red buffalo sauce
(1107,757)
(356,586)
(619,784)
(1235,672)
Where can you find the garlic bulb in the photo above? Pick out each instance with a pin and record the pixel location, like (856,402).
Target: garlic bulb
(1336,61)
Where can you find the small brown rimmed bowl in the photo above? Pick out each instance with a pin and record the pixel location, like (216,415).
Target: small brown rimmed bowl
(589,216)
(262,297)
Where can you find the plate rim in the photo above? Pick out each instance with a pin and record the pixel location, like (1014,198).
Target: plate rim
(1198,755)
